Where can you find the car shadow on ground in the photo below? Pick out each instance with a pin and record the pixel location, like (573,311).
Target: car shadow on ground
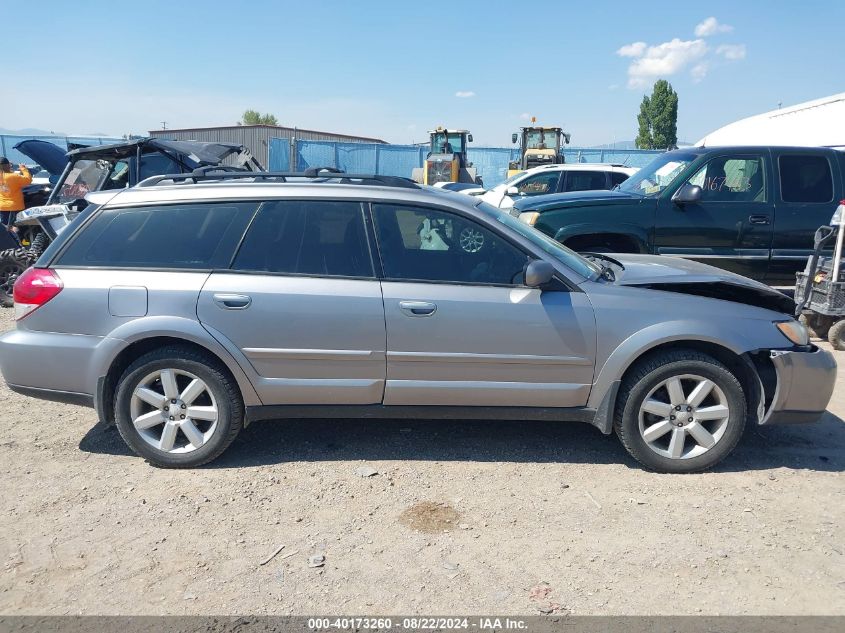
(819,446)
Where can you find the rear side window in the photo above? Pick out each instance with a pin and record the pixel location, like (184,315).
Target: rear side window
(805,179)
(307,238)
(585,180)
(539,184)
(617,178)
(190,236)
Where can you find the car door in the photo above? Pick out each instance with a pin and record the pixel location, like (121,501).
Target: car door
(731,225)
(302,305)
(804,201)
(463,330)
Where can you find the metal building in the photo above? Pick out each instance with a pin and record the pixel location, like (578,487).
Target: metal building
(257,137)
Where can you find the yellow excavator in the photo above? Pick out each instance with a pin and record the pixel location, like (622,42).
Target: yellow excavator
(447,159)
(538,145)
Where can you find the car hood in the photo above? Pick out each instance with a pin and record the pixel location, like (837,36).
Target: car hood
(51,157)
(673,274)
(579,198)
(192,153)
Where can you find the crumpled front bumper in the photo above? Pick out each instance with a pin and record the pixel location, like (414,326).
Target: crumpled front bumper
(805,382)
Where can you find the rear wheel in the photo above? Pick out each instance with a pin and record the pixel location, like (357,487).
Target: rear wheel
(817,325)
(11,266)
(178,408)
(836,335)
(680,411)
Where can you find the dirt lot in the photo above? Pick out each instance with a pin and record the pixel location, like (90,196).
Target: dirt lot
(472,517)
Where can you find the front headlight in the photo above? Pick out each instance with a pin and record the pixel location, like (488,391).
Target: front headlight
(529,217)
(794,331)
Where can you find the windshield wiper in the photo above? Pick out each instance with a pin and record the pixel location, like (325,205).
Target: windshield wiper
(607,271)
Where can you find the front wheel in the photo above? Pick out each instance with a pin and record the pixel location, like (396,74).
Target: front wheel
(12,263)
(680,411)
(178,408)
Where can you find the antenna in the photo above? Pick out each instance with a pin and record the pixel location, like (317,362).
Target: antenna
(164,125)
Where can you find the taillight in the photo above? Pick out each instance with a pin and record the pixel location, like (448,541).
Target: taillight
(34,288)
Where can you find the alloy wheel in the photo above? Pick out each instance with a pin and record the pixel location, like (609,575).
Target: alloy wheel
(471,240)
(174,411)
(684,416)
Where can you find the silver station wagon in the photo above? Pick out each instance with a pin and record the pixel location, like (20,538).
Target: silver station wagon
(188,306)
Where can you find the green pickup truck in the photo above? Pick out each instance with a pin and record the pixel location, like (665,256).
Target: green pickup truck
(750,210)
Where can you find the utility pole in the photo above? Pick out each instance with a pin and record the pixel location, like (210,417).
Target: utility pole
(164,125)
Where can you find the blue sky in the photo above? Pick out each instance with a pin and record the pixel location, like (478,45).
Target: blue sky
(395,69)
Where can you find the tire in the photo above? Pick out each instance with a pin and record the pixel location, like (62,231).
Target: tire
(151,410)
(11,266)
(836,335)
(817,325)
(650,438)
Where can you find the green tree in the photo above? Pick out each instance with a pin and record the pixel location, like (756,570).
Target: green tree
(658,118)
(253,117)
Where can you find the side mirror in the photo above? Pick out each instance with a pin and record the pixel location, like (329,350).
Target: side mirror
(538,273)
(687,194)
(514,137)
(512,191)
(469,138)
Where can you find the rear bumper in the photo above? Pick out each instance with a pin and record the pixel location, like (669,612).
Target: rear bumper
(805,382)
(49,365)
(67,397)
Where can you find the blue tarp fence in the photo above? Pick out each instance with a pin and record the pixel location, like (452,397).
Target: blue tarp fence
(491,163)
(8,141)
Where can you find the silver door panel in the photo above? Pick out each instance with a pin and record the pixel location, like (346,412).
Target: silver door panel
(488,346)
(310,340)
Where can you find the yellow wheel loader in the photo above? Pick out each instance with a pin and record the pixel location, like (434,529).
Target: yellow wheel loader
(447,159)
(538,146)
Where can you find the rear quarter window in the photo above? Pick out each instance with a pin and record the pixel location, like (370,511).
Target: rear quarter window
(184,236)
(805,178)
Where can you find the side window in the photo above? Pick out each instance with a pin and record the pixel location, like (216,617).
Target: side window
(617,178)
(156,165)
(805,179)
(307,238)
(585,180)
(732,179)
(539,184)
(418,243)
(143,237)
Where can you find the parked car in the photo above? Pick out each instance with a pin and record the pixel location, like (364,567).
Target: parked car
(103,167)
(750,210)
(548,179)
(187,307)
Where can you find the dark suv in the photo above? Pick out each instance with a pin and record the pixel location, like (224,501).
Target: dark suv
(750,210)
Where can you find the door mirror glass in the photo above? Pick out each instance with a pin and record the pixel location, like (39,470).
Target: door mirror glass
(687,194)
(514,137)
(469,138)
(538,273)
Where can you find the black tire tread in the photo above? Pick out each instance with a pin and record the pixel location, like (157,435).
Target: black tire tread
(836,335)
(221,373)
(640,371)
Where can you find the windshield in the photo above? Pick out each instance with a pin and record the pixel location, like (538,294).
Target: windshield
(658,174)
(440,139)
(540,139)
(84,176)
(570,258)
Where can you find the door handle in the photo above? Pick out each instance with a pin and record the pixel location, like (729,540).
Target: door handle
(418,308)
(759,219)
(232,302)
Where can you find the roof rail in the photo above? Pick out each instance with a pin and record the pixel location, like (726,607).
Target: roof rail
(314,174)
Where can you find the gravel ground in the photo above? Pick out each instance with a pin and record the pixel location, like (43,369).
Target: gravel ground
(415,517)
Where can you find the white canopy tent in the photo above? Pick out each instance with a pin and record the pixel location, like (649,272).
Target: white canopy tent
(819,123)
